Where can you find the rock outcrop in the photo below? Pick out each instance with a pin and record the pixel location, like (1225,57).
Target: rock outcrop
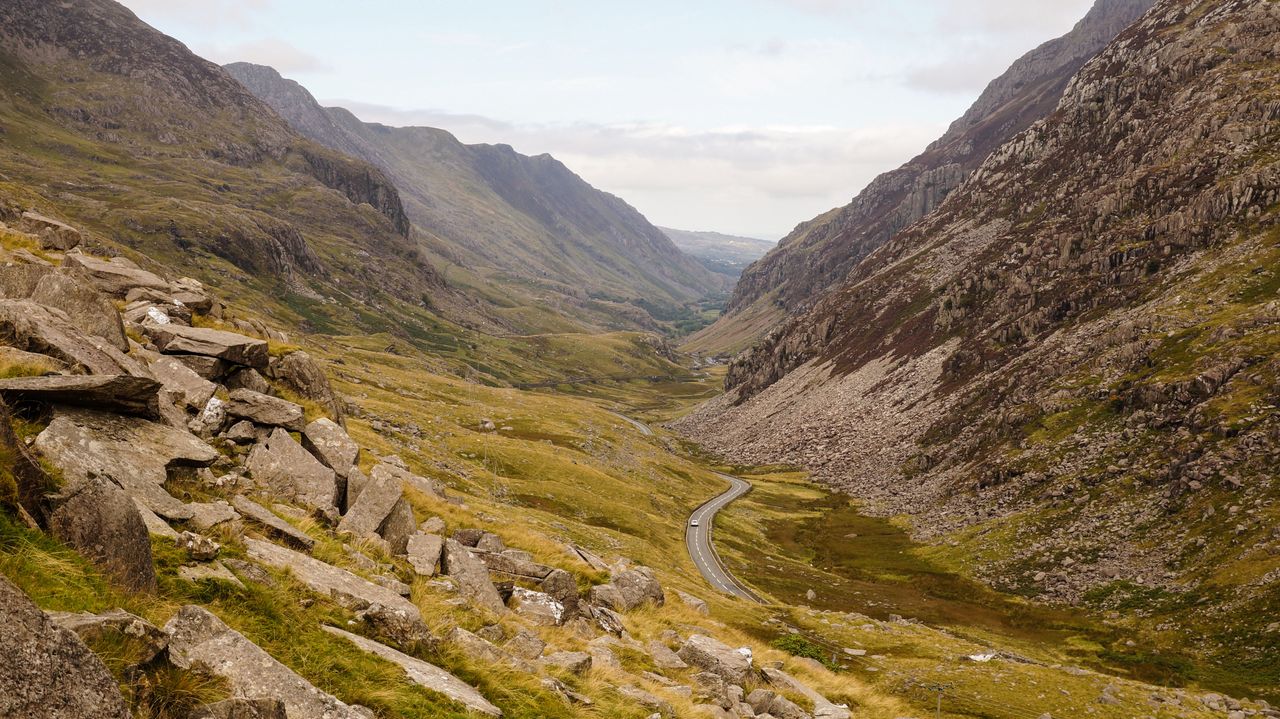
(98,518)
(47,672)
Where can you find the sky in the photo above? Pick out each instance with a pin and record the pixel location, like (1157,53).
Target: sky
(739,116)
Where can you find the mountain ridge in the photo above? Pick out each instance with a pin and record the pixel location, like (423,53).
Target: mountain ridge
(819,253)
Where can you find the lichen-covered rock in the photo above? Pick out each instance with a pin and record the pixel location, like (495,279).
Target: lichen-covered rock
(539,608)
(47,672)
(331,444)
(194,390)
(292,472)
(426,675)
(90,311)
(714,656)
(424,551)
(100,520)
(112,393)
(33,327)
(200,639)
(471,576)
(132,452)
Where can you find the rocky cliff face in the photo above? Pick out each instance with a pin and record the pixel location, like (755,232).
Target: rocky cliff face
(522,222)
(819,254)
(1078,343)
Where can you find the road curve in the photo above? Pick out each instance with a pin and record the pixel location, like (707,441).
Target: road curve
(644,428)
(703,552)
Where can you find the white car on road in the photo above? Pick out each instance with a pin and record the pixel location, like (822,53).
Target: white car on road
(693,522)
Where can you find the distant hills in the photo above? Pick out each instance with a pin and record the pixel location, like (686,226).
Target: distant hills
(725,254)
(524,234)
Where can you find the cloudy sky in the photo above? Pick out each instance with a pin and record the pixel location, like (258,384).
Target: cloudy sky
(740,116)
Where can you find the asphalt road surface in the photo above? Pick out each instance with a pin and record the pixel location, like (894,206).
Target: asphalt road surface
(704,553)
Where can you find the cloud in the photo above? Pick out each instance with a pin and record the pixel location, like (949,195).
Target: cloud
(240,13)
(751,180)
(275,52)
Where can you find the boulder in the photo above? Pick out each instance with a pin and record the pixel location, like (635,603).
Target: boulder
(409,479)
(638,586)
(32,327)
(241,708)
(291,472)
(145,640)
(760,700)
(374,505)
(492,543)
(399,525)
(121,394)
(427,676)
(245,432)
(471,576)
(248,378)
(564,588)
(155,525)
(194,390)
(663,657)
(160,313)
(647,700)
(228,346)
(115,277)
(210,368)
(398,627)
(608,620)
(513,565)
(210,420)
(274,526)
(132,452)
(540,609)
(424,553)
(198,546)
(823,708)
(98,519)
(212,571)
(197,638)
(302,374)
(694,603)
(265,410)
(526,645)
(346,588)
(47,672)
(469,537)
(207,515)
(90,311)
(331,444)
(356,482)
(573,662)
(714,656)
(19,282)
(53,234)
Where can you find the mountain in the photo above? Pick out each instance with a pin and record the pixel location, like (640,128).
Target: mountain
(819,253)
(1066,373)
(508,224)
(123,131)
(725,254)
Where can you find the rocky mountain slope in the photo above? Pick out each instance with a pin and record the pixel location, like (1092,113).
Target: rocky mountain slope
(718,252)
(495,216)
(820,253)
(126,132)
(1068,371)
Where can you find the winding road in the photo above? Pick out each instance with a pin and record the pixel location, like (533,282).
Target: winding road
(698,538)
(703,552)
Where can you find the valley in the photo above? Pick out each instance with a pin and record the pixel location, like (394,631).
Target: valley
(308,417)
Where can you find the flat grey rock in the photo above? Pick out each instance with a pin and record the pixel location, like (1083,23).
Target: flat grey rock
(265,410)
(423,674)
(229,346)
(197,638)
(47,672)
(194,390)
(207,515)
(343,586)
(132,452)
(424,551)
(274,526)
(122,394)
(116,276)
(714,656)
